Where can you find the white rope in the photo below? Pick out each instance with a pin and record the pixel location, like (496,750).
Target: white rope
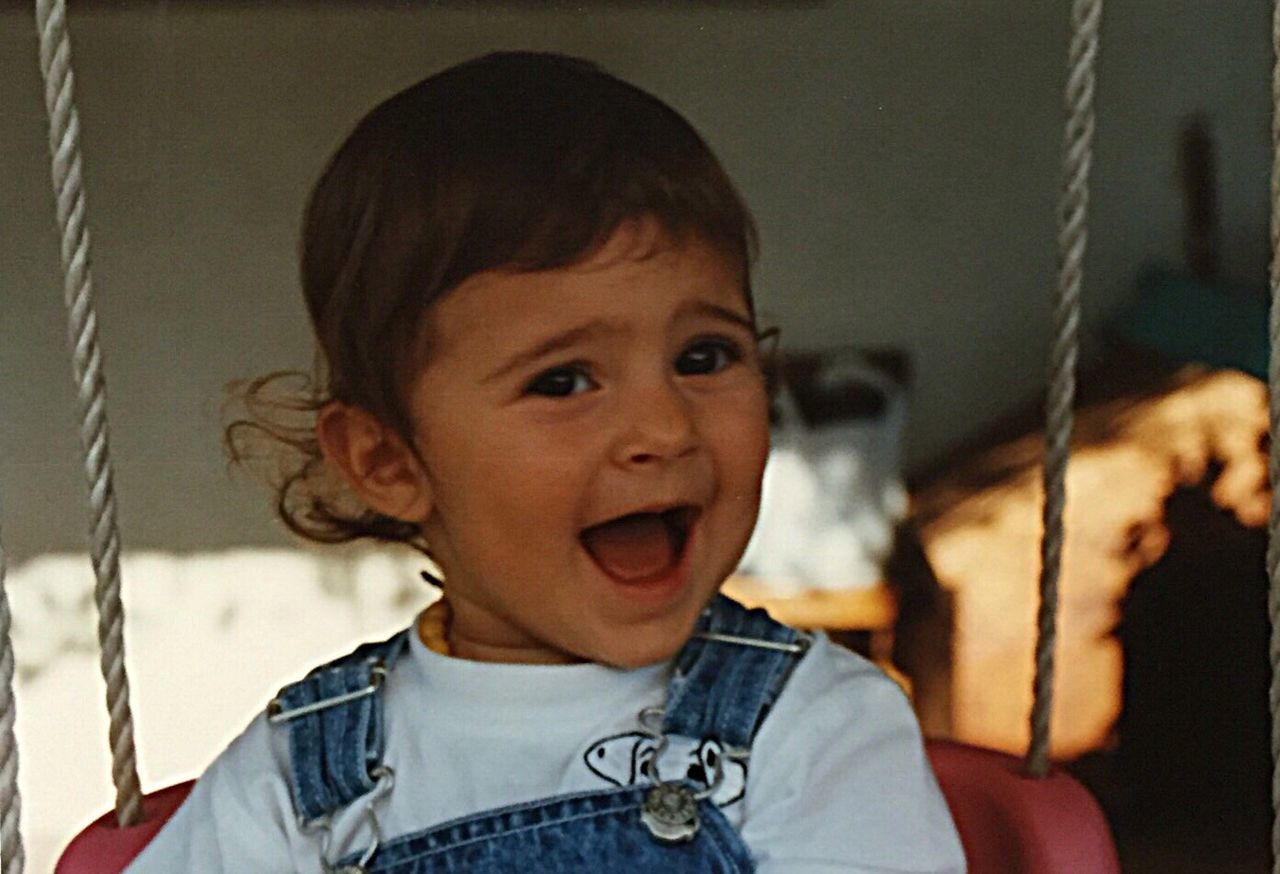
(104,537)
(1072,236)
(12,856)
(1273,542)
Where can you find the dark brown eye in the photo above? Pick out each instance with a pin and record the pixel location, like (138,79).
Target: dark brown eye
(560,382)
(707,356)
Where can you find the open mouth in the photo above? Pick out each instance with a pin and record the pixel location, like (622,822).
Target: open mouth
(640,547)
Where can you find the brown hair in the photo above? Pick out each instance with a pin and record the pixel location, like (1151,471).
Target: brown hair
(515,160)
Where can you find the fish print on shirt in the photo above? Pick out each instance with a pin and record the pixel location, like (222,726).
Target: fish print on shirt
(621,760)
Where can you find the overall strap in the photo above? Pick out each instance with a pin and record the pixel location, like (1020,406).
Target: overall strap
(730,672)
(335,723)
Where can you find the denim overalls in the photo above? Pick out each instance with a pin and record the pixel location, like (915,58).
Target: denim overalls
(726,678)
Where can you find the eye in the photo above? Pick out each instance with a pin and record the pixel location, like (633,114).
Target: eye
(560,382)
(707,356)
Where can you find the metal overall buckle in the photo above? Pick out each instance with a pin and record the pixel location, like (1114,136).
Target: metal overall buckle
(670,809)
(386,780)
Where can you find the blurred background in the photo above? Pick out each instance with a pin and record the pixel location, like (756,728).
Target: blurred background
(902,161)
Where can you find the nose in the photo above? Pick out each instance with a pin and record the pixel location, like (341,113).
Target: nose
(659,425)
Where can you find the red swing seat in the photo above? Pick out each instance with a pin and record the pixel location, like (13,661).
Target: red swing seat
(1008,823)
(104,848)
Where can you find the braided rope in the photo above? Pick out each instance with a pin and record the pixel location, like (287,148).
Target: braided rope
(1072,236)
(104,537)
(1273,543)
(12,855)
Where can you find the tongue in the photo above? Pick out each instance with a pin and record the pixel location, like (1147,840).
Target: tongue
(631,548)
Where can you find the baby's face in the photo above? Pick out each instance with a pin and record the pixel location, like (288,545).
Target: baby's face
(594,438)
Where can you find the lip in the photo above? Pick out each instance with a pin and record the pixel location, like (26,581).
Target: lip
(662,586)
(694,508)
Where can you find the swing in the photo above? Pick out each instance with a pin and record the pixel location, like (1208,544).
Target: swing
(1012,816)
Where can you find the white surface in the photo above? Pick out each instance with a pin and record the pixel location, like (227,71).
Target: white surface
(210,637)
(832,495)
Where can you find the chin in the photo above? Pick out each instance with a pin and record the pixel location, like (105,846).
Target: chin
(642,648)
(638,659)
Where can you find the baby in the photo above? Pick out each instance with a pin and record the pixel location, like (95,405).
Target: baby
(529,284)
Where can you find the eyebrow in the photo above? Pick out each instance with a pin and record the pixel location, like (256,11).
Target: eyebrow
(724,314)
(555,343)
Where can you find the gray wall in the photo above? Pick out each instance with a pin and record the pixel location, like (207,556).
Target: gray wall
(901,158)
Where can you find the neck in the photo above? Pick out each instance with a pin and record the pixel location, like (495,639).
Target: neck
(444,628)
(484,651)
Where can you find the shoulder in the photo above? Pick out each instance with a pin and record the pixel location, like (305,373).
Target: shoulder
(835,686)
(839,777)
(238,817)
(250,775)
(838,708)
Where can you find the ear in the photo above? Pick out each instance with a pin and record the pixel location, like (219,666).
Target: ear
(375,460)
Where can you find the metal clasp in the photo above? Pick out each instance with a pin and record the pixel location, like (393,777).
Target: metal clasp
(670,808)
(800,646)
(386,781)
(276,713)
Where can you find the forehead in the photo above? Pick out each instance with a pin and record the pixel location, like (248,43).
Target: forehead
(640,275)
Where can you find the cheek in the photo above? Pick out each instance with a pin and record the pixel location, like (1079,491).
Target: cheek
(755,458)
(504,485)
(744,446)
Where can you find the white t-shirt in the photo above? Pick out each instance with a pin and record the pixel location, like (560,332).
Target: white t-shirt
(837,779)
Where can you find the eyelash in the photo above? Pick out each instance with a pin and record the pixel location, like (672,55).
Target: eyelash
(549,382)
(727,351)
(562,381)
